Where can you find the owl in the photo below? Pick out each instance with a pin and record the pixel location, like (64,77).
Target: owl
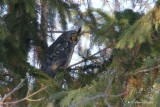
(59,54)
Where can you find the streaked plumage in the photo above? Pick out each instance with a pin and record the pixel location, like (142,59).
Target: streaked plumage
(59,54)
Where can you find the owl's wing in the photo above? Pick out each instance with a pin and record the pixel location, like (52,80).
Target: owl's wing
(58,44)
(56,64)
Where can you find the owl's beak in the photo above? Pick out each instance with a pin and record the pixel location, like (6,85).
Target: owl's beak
(79,31)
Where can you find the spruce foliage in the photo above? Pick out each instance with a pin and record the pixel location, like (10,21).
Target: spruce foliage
(125,72)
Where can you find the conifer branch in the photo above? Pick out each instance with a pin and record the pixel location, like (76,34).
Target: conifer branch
(88,99)
(95,97)
(102,95)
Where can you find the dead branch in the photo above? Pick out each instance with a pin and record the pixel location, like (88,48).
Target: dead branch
(51,31)
(146,70)
(87,58)
(15,89)
(109,84)
(28,97)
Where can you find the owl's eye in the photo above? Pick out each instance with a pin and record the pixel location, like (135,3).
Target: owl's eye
(73,38)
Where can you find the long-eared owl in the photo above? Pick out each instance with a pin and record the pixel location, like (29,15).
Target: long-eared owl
(59,54)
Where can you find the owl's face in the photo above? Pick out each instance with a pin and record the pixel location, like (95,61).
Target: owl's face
(73,36)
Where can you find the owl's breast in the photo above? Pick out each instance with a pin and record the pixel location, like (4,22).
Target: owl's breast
(59,54)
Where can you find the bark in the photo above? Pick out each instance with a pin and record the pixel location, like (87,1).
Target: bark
(43,31)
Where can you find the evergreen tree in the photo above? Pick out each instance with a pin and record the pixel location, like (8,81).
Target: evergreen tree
(124,72)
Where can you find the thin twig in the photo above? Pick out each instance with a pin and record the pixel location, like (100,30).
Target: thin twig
(109,6)
(107,90)
(35,100)
(95,97)
(87,99)
(15,89)
(108,105)
(87,58)
(146,70)
(28,97)
(51,31)
(143,4)
(105,95)
(109,84)
(36,92)
(118,95)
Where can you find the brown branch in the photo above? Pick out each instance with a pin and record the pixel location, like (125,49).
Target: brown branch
(146,70)
(31,95)
(51,31)
(35,100)
(15,89)
(109,84)
(109,6)
(28,97)
(135,52)
(87,58)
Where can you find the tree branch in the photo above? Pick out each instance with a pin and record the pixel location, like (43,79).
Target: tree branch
(52,31)
(31,95)
(105,95)
(146,70)
(87,58)
(87,99)
(28,97)
(95,97)
(15,89)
